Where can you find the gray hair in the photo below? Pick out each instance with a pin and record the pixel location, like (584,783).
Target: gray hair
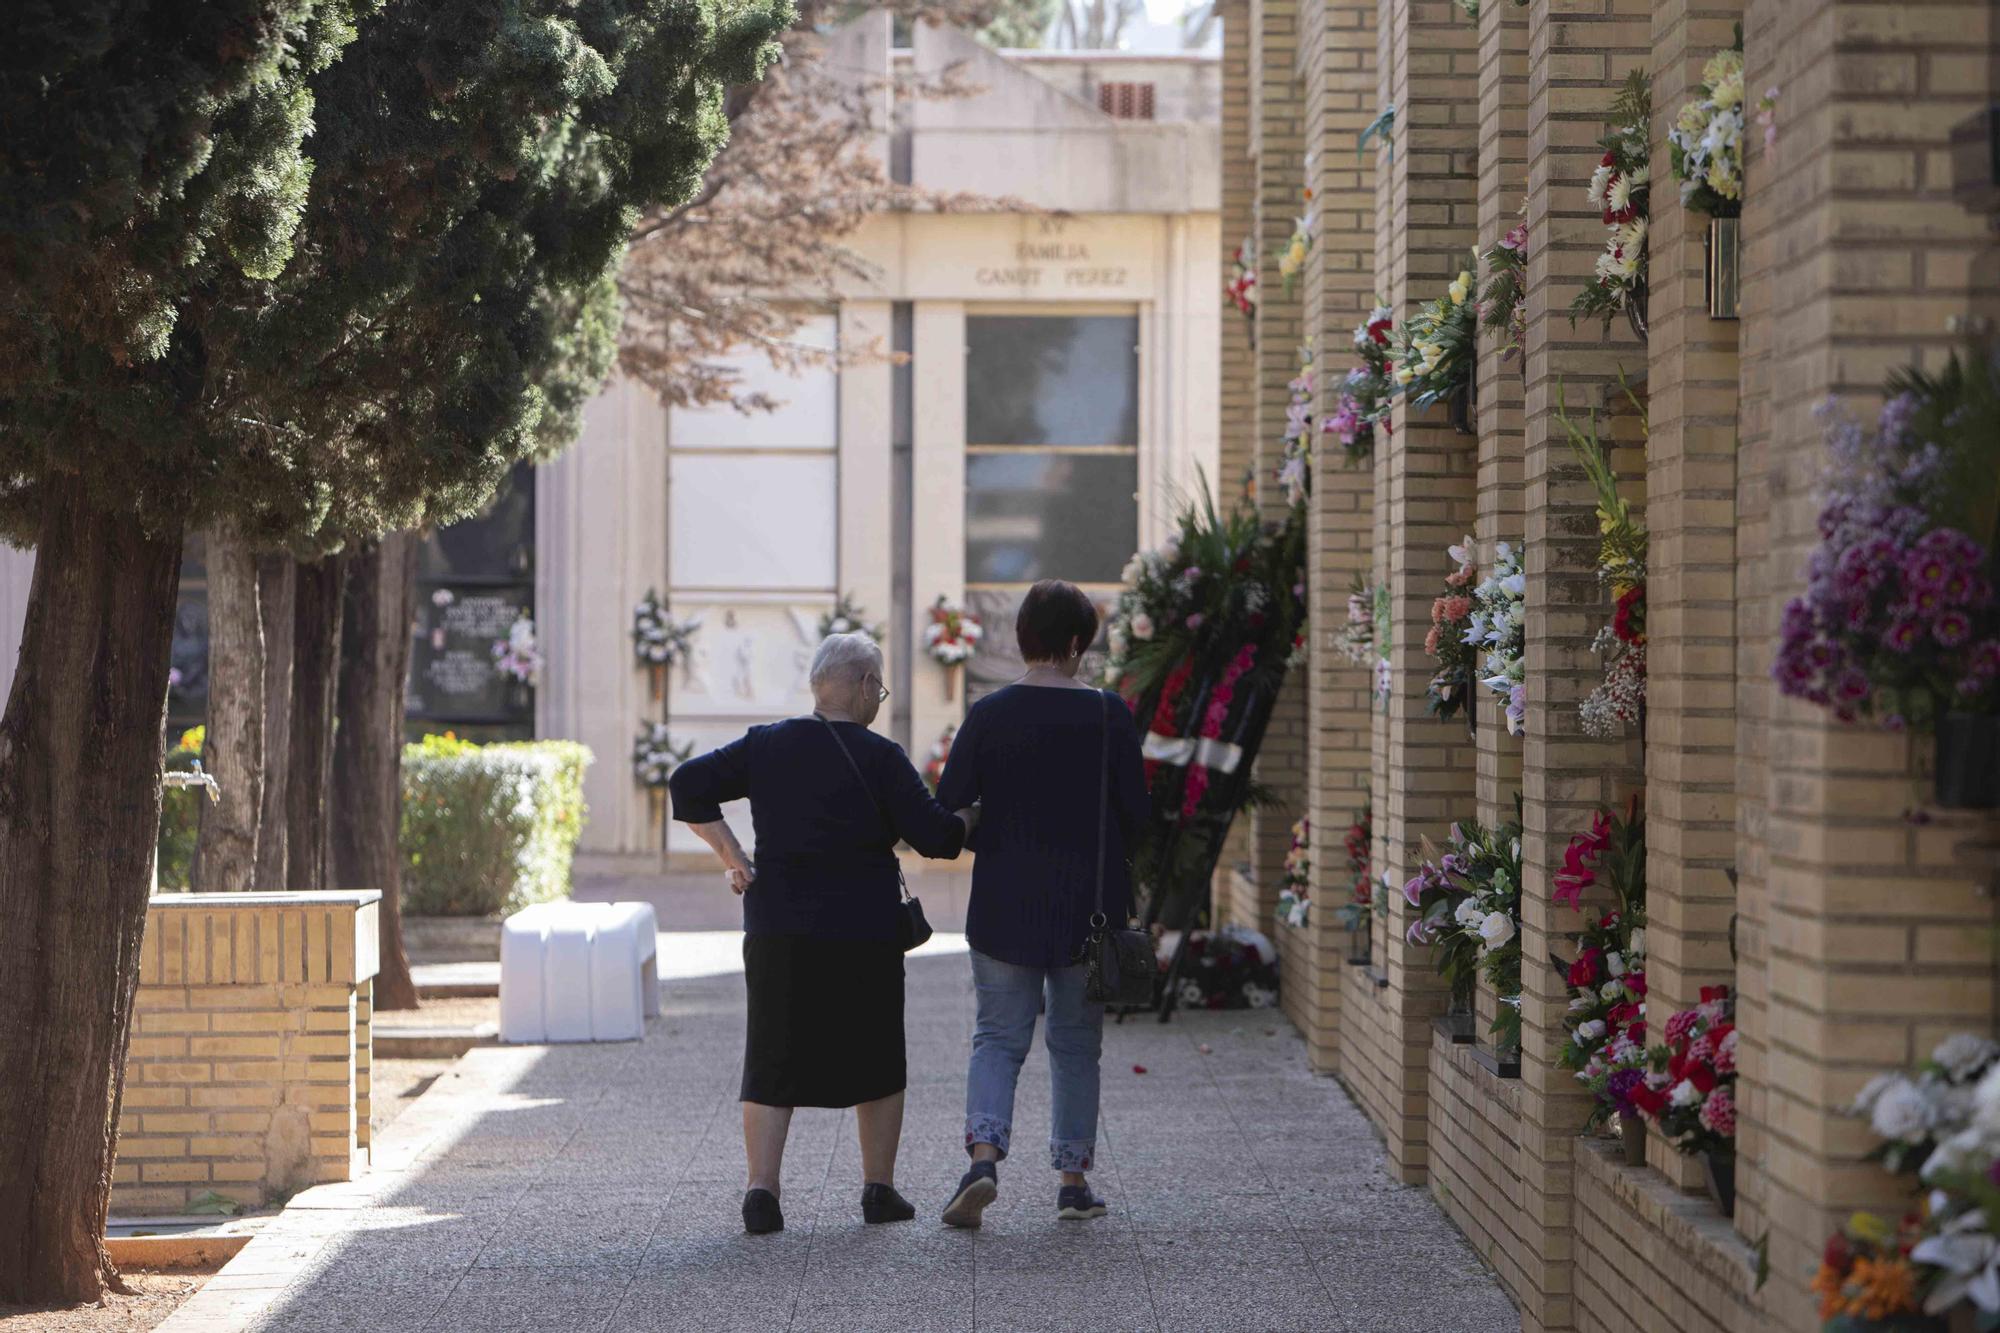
(843,659)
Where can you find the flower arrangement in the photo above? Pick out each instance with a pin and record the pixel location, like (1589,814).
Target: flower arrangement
(659,640)
(1355,640)
(1295,894)
(1944,1122)
(1912,1113)
(1503,304)
(1450,687)
(940,751)
(1368,392)
(1865,1272)
(1899,621)
(1436,348)
(1295,473)
(655,756)
(1200,641)
(1705,141)
(1690,1091)
(1231,968)
(847,617)
(1498,632)
(953,636)
(1358,843)
(1620,700)
(1293,261)
(518,657)
(1619,189)
(1242,288)
(1606,1019)
(1468,902)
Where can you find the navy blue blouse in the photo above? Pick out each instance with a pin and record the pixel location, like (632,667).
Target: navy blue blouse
(1031,755)
(826,858)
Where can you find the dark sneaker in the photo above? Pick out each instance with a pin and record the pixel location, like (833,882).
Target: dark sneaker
(977,1188)
(881,1203)
(1076,1203)
(761,1213)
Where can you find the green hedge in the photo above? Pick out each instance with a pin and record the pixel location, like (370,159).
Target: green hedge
(489,828)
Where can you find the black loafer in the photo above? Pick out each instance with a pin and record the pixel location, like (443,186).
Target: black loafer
(979,1187)
(761,1214)
(881,1203)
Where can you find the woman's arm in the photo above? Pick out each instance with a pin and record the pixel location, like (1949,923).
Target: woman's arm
(700,787)
(722,841)
(921,821)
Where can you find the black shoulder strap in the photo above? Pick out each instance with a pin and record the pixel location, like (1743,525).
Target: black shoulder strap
(869,791)
(1103,793)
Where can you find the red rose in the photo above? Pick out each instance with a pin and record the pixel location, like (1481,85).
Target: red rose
(1627,621)
(1635,982)
(1621,1014)
(1242,565)
(1648,1100)
(1583,972)
(1702,1074)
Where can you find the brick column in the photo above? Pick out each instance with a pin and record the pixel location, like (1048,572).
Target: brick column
(1238,376)
(1579,55)
(1424,501)
(1278,145)
(1691,512)
(1338,291)
(1873,931)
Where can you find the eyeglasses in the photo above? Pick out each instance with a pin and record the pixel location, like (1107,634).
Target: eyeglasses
(881,690)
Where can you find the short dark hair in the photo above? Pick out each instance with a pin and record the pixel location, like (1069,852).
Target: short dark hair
(1054,615)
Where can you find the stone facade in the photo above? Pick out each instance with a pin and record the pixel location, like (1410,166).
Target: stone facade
(252,1036)
(1783,858)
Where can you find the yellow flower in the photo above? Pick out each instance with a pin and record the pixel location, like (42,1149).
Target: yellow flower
(1693,120)
(1728,93)
(1722,66)
(1460,289)
(1404,374)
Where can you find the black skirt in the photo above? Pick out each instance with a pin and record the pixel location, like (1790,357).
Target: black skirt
(826,1021)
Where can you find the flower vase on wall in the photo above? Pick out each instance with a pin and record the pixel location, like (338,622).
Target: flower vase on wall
(1632,1137)
(1719,1166)
(1723,269)
(1635,311)
(656,803)
(1968,761)
(659,674)
(951,675)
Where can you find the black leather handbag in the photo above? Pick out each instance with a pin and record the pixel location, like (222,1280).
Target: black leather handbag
(916,926)
(1119,964)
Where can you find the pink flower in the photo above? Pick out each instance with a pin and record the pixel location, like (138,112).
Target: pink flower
(1718,1113)
(1725,1054)
(1194,620)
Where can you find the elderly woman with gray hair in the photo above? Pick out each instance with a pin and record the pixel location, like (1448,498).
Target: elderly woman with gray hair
(824,926)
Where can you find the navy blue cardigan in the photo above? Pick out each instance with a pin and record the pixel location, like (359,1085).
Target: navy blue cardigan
(826,859)
(1030,754)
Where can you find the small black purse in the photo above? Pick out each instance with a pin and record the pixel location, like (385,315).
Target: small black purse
(916,926)
(1119,966)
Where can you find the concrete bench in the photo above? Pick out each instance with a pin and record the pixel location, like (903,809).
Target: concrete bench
(578,972)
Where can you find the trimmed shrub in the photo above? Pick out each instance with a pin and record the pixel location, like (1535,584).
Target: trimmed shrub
(489,829)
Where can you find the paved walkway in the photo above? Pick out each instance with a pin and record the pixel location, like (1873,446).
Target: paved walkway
(596,1187)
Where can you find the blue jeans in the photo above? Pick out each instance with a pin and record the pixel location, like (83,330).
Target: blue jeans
(1009,998)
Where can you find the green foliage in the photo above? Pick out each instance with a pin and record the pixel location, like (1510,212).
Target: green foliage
(180,814)
(1020,23)
(324,350)
(1622,551)
(489,828)
(1956,409)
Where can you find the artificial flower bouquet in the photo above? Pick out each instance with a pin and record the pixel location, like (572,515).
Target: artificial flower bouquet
(1385,674)
(1899,622)
(1498,633)
(1867,1281)
(1450,689)
(1242,288)
(1913,1112)
(940,752)
(1295,894)
(953,634)
(1292,261)
(1295,472)
(1689,1093)
(1368,393)
(1503,303)
(1606,1019)
(1468,903)
(518,656)
(655,755)
(1620,700)
(1620,189)
(1230,968)
(1436,349)
(847,617)
(1355,639)
(1358,843)
(659,640)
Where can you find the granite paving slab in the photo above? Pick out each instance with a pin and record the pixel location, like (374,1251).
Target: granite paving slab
(597,1188)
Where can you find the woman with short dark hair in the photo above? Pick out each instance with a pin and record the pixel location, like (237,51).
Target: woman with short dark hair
(824,930)
(1042,757)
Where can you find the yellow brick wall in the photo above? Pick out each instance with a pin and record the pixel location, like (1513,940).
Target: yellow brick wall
(248,1065)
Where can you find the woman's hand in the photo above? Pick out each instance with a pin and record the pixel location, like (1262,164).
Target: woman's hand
(970,815)
(739,878)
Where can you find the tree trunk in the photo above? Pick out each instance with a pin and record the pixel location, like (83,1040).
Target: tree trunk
(80,764)
(226,860)
(276,578)
(368,747)
(315,667)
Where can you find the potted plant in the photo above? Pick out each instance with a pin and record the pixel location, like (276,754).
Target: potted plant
(1899,623)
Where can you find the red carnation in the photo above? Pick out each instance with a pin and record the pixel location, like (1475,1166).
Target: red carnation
(1628,621)
(1650,1101)
(1702,1075)
(1583,972)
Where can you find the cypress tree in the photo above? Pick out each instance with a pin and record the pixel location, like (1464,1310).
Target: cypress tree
(473,169)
